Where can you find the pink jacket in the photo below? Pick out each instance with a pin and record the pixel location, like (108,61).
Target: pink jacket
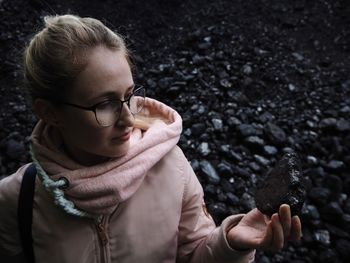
(157,224)
(151,201)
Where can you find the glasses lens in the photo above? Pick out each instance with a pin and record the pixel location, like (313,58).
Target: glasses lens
(108,112)
(137,100)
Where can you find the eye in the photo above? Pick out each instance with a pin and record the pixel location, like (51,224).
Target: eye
(108,105)
(128,95)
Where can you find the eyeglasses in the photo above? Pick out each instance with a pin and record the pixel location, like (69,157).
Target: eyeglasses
(108,112)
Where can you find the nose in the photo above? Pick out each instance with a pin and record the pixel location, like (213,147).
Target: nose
(126,118)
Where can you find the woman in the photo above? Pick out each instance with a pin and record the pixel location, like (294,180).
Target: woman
(112,186)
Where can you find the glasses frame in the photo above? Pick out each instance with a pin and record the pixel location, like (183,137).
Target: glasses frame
(93,107)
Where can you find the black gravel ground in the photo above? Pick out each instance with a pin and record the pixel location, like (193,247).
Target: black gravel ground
(252,80)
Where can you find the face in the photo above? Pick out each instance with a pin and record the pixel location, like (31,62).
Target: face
(107,76)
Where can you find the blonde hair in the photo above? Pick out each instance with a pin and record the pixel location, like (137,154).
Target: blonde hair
(58,53)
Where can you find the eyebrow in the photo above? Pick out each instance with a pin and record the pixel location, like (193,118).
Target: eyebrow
(110,93)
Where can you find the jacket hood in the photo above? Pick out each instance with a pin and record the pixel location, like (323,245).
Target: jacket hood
(99,189)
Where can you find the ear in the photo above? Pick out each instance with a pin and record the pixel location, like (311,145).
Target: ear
(48,112)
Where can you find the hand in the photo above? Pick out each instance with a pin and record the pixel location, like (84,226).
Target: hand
(255,230)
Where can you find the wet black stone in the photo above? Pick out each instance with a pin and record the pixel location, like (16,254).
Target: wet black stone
(246,130)
(14,149)
(282,185)
(319,195)
(343,248)
(209,171)
(276,134)
(331,212)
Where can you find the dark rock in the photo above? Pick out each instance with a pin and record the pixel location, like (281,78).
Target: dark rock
(310,212)
(328,124)
(343,248)
(225,169)
(218,124)
(270,150)
(210,172)
(241,172)
(14,149)
(336,231)
(247,202)
(233,121)
(334,184)
(210,190)
(254,166)
(283,184)
(319,195)
(347,206)
(331,212)
(246,130)
(335,166)
(203,149)
(198,128)
(276,135)
(218,210)
(254,142)
(261,160)
(328,255)
(195,164)
(322,237)
(232,199)
(266,117)
(343,125)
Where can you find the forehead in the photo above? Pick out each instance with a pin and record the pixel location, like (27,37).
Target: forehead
(107,71)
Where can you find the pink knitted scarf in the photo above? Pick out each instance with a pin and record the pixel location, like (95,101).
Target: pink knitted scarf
(98,189)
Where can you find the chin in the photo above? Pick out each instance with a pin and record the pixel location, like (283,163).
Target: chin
(120,150)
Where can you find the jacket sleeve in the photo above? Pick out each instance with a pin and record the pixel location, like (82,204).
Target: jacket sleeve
(200,241)
(9,234)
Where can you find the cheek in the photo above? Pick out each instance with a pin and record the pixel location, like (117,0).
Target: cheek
(84,128)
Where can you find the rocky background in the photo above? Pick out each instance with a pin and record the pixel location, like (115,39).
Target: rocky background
(252,80)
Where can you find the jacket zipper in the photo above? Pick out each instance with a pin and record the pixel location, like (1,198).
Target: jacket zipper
(101,227)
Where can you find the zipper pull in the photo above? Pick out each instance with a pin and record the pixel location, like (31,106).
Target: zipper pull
(101,230)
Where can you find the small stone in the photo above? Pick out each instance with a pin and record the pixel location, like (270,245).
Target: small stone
(322,237)
(275,134)
(247,201)
(225,169)
(247,69)
(343,125)
(232,199)
(225,83)
(261,160)
(204,149)
(14,149)
(210,172)
(254,142)
(270,150)
(198,128)
(312,160)
(331,212)
(343,248)
(291,87)
(218,124)
(282,185)
(246,130)
(328,124)
(298,56)
(319,195)
(335,165)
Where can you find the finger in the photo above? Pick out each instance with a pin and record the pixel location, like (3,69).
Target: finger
(268,238)
(296,232)
(285,219)
(278,237)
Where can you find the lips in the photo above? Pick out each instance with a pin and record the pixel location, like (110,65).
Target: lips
(124,137)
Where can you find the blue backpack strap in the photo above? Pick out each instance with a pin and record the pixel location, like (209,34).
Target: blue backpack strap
(25,212)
